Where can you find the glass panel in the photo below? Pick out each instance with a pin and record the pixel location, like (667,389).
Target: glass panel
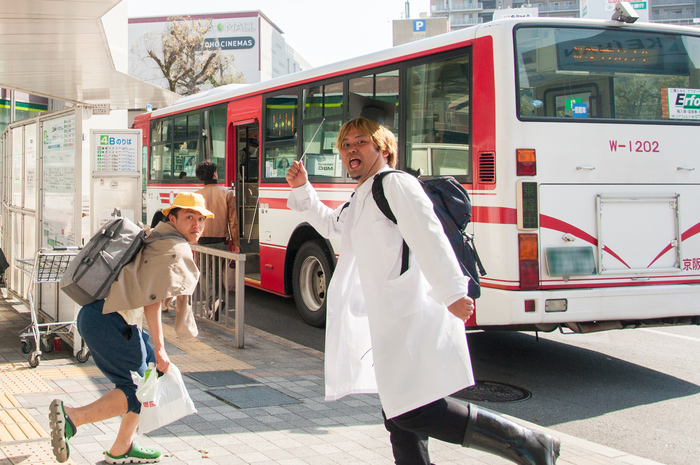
(186,158)
(277,160)
(438,118)
(322,158)
(30,178)
(313,102)
(29,238)
(333,99)
(24,110)
(17,165)
(161,163)
(180,127)
(387,90)
(193,125)
(611,74)
(251,156)
(156,130)
(376,97)
(217,132)
(167,130)
(160,130)
(4,113)
(281,117)
(363,85)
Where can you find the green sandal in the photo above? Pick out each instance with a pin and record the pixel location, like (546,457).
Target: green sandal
(136,454)
(62,429)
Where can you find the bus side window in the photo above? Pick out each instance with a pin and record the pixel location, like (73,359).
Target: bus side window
(280,134)
(217,139)
(322,157)
(438,119)
(376,96)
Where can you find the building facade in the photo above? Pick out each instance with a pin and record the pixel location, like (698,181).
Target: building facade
(463,14)
(257,45)
(16,105)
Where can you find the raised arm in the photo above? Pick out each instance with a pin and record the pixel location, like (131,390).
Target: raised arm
(297,175)
(304,199)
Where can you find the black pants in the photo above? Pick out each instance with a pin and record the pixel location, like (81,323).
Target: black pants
(443,419)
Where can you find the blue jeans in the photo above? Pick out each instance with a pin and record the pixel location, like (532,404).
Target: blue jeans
(117,348)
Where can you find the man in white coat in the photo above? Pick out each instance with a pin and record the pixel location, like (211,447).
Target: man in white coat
(402,335)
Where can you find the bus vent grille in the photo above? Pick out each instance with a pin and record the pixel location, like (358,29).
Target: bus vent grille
(487,168)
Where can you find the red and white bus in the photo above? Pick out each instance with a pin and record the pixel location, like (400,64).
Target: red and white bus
(577,141)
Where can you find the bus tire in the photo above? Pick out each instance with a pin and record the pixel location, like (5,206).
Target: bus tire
(311,275)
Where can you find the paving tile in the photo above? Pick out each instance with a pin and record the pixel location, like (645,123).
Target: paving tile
(311,432)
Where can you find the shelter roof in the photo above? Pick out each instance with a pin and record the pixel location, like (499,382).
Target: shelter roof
(61,49)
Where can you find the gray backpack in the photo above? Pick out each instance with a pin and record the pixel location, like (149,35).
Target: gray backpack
(90,275)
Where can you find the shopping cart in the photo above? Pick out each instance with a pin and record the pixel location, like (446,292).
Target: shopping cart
(47,266)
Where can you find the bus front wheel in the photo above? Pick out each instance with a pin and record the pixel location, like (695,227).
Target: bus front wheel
(311,275)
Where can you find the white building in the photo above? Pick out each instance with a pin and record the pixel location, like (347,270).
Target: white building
(256,43)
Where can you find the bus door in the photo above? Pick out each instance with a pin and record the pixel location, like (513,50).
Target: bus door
(247,137)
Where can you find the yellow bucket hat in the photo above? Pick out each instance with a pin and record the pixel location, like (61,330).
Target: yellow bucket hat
(189,201)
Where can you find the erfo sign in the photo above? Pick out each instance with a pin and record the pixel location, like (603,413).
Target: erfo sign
(682,103)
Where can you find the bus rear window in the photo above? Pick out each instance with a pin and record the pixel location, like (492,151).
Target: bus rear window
(608,74)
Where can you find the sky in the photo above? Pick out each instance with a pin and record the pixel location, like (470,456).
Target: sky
(321,31)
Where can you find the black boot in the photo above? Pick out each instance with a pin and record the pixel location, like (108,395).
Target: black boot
(490,432)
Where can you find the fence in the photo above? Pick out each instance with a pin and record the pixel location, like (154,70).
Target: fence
(220,295)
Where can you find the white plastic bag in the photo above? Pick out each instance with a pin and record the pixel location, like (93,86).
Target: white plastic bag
(146,386)
(163,399)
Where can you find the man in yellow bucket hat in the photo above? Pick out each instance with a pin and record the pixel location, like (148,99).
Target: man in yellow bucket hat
(112,329)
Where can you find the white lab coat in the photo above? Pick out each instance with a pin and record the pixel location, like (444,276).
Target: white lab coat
(386,332)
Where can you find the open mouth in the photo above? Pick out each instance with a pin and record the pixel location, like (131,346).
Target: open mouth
(354,163)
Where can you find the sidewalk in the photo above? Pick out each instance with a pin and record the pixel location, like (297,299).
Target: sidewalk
(263,405)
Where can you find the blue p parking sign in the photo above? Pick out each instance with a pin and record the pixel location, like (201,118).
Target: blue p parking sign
(418,25)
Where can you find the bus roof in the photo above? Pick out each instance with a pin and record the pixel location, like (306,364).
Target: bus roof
(446,41)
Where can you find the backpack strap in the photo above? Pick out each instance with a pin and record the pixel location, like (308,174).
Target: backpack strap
(383,205)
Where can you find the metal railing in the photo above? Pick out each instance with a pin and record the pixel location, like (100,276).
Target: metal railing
(220,294)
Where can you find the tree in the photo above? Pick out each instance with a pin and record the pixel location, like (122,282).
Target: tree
(185,62)
(639,97)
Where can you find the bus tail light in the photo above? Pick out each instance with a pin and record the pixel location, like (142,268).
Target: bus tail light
(526,162)
(529,262)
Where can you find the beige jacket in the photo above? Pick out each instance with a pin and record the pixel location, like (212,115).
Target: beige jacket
(222,203)
(161,269)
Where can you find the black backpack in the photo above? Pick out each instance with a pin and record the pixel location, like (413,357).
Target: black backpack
(454,210)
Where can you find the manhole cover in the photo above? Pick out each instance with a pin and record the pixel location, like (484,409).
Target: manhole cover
(220,378)
(253,397)
(491,391)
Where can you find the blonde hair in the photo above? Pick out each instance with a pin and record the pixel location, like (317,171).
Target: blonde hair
(382,138)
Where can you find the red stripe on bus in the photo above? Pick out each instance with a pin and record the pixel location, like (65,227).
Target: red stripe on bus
(686,235)
(589,285)
(494,215)
(281,204)
(559,225)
